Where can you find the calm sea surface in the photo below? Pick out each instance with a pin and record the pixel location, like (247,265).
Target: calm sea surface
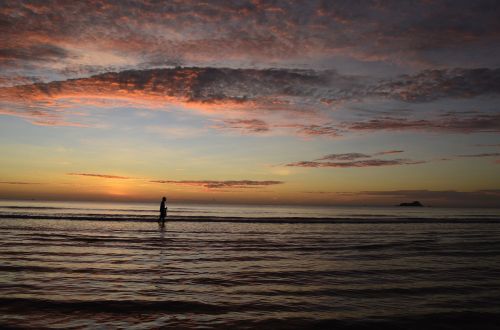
(93,265)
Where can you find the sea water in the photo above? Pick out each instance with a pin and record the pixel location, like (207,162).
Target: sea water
(86,265)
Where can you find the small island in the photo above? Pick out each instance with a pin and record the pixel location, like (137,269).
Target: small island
(415,203)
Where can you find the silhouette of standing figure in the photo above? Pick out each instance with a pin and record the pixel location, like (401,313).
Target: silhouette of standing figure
(163,211)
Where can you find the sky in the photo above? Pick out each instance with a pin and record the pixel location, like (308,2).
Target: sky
(260,102)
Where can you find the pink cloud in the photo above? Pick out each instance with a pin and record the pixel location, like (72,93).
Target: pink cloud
(40,116)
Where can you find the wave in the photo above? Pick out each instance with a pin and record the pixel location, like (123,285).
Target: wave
(113,306)
(465,320)
(142,306)
(434,320)
(177,209)
(288,220)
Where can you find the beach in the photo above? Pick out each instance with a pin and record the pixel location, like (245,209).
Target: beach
(73,273)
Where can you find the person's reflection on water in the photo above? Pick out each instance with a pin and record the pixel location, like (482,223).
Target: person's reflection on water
(160,278)
(163,212)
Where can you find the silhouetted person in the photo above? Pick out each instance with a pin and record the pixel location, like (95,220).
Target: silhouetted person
(163,211)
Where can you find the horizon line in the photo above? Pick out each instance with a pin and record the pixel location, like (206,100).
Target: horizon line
(204,202)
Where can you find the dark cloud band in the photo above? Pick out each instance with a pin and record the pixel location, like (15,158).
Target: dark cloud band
(211,184)
(104,176)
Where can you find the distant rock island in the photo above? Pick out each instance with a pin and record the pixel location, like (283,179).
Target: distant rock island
(415,203)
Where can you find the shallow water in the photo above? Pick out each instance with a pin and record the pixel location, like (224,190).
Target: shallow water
(404,274)
(247,213)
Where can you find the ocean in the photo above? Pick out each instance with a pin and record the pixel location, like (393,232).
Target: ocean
(109,265)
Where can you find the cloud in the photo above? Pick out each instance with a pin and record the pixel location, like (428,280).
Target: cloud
(212,184)
(359,163)
(258,126)
(195,84)
(272,87)
(388,152)
(211,91)
(268,92)
(243,125)
(492,154)
(429,34)
(357,155)
(431,85)
(352,159)
(7,80)
(104,176)
(314,130)
(206,90)
(451,124)
(235,97)
(40,115)
(37,52)
(347,156)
